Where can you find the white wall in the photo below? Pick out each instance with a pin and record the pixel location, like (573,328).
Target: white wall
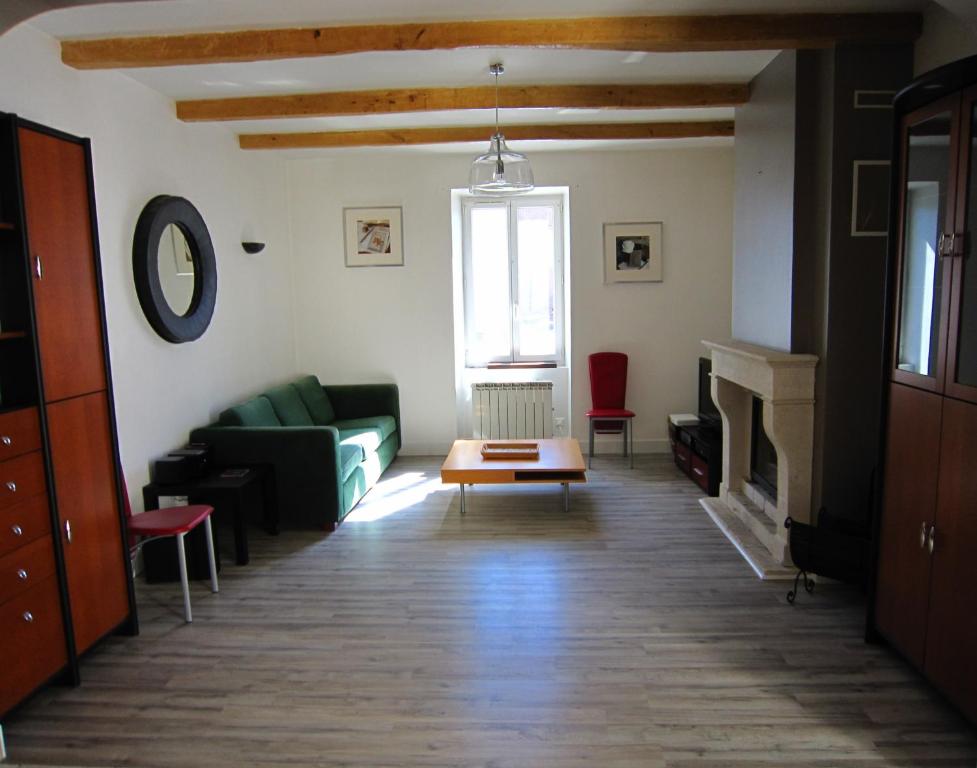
(396,324)
(947,36)
(764,222)
(140,150)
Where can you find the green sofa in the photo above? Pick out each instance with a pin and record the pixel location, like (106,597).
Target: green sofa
(328,445)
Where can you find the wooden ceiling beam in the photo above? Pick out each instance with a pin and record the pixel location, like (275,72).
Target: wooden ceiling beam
(739,32)
(436,99)
(407,136)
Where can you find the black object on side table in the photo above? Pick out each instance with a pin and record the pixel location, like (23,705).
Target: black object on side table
(230,492)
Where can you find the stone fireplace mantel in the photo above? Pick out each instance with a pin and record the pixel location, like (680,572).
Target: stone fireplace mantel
(785,384)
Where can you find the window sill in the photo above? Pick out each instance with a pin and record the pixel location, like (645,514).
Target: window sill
(516,366)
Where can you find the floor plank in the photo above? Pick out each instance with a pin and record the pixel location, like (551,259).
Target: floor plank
(627,632)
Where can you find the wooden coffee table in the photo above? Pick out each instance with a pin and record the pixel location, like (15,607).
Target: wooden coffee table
(560,461)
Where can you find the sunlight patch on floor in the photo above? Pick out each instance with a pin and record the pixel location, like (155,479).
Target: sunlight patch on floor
(388,497)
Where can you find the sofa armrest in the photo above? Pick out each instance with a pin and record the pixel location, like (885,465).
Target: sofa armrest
(356,401)
(308,477)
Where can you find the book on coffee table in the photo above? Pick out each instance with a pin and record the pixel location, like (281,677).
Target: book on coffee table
(510,451)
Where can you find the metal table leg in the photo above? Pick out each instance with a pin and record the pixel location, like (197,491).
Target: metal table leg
(566,497)
(462,486)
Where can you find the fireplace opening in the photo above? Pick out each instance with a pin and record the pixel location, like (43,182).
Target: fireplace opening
(763,456)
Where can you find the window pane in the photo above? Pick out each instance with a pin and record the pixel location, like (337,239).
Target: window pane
(489,335)
(926,189)
(536,315)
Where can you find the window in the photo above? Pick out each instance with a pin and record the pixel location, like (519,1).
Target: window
(513,280)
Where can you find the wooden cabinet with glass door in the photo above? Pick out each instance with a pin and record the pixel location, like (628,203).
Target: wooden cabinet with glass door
(927,552)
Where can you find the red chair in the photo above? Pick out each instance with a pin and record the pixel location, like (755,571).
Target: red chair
(176,522)
(608,384)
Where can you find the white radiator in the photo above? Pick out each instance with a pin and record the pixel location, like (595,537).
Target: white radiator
(511,411)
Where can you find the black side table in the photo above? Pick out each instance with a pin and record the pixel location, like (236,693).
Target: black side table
(228,491)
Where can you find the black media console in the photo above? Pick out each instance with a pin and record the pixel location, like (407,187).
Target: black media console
(698,452)
(698,448)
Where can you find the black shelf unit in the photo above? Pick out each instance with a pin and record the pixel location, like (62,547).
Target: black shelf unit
(18,379)
(698,452)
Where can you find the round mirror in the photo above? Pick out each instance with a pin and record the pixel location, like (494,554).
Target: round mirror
(174,269)
(174,263)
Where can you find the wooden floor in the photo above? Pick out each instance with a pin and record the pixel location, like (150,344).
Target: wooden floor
(626,633)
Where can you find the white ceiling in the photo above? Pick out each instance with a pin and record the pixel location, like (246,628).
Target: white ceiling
(162,16)
(367,71)
(469,67)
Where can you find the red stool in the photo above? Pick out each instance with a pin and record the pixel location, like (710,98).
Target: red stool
(176,522)
(608,384)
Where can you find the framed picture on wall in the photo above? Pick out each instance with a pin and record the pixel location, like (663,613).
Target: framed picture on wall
(374,237)
(633,252)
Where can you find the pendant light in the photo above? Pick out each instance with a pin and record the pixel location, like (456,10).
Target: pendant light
(500,171)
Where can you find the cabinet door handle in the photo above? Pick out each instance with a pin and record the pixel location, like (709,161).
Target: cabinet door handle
(17,530)
(12,486)
(6,440)
(22,574)
(932,542)
(38,267)
(28,617)
(67,530)
(698,471)
(922,536)
(945,244)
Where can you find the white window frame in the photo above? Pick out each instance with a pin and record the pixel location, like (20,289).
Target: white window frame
(512,205)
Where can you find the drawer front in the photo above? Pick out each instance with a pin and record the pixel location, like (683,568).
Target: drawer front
(23,523)
(20,433)
(21,478)
(682,456)
(32,643)
(702,448)
(700,472)
(26,567)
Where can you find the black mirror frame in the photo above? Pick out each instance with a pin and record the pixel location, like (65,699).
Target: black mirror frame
(158,214)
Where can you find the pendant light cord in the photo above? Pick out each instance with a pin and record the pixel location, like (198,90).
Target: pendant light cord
(499,167)
(496,73)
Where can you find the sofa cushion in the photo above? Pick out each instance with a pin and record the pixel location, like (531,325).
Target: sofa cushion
(289,408)
(350,457)
(368,440)
(385,425)
(316,400)
(256,412)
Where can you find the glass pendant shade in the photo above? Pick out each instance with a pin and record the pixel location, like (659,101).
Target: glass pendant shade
(500,171)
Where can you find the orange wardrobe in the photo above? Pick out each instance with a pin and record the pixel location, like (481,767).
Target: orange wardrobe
(65,580)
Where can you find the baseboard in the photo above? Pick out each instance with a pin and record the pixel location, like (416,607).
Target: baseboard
(602,446)
(425,449)
(612,444)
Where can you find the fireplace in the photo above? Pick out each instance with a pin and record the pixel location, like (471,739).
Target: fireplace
(765,399)
(763,456)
